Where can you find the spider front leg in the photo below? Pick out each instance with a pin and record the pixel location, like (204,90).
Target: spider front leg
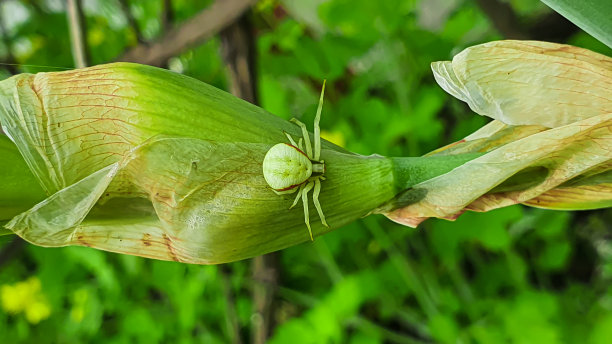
(306,137)
(317,129)
(291,139)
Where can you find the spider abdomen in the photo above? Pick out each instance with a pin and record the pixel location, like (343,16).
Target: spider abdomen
(285,167)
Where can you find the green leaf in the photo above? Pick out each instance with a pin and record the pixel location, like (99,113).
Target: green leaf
(593,16)
(19,189)
(444,328)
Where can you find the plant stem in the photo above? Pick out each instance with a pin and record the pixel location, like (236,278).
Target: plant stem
(410,171)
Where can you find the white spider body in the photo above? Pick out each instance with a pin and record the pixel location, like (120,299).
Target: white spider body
(287,168)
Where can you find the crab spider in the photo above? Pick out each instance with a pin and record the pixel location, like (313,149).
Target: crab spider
(287,168)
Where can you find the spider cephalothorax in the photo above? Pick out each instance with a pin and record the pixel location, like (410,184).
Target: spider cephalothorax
(290,167)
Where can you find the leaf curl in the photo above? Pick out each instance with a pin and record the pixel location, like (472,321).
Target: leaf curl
(549,145)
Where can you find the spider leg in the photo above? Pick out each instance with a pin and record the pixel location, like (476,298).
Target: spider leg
(306,137)
(300,146)
(286,192)
(291,139)
(305,201)
(315,200)
(298,196)
(317,129)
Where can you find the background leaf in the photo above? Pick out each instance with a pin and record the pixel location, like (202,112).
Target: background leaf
(516,274)
(593,16)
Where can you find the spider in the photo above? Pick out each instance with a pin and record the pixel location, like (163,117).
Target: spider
(287,168)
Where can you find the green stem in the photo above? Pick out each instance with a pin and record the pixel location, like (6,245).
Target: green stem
(410,171)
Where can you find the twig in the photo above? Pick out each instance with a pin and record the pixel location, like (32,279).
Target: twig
(503,18)
(548,27)
(233,327)
(10,250)
(197,29)
(10,61)
(76,25)
(238,50)
(125,8)
(265,276)
(167,15)
(552,27)
(38,9)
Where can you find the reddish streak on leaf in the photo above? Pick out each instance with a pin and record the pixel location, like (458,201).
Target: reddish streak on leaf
(168,243)
(146,239)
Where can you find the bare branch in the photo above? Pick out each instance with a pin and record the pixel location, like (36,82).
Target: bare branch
(167,15)
(11,250)
(238,49)
(10,61)
(197,29)
(125,7)
(552,27)
(548,27)
(233,327)
(265,277)
(503,18)
(77,37)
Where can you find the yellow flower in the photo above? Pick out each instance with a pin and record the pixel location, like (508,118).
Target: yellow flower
(79,302)
(37,311)
(25,297)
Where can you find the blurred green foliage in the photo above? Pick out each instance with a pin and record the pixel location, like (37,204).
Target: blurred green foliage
(516,274)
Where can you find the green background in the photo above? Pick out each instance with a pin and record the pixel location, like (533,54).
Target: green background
(516,274)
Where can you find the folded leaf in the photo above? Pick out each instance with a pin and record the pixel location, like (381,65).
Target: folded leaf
(550,144)
(144,161)
(70,124)
(529,82)
(209,203)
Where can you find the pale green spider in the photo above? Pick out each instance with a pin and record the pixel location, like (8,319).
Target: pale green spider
(286,166)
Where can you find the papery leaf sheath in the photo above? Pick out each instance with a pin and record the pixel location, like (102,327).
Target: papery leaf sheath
(73,123)
(144,161)
(550,144)
(209,203)
(529,82)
